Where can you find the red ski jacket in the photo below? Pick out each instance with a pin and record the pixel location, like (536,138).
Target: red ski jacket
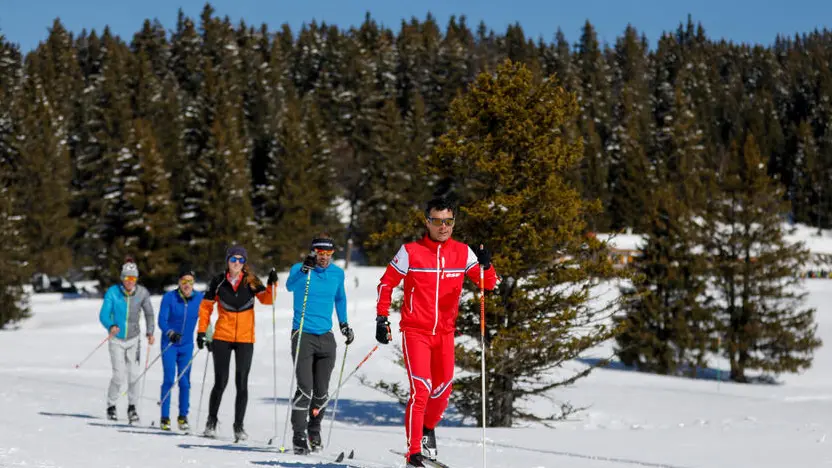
(433,273)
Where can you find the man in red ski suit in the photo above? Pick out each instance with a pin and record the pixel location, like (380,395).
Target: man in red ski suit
(433,269)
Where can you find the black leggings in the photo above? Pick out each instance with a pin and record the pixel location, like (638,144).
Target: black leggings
(242,364)
(315,364)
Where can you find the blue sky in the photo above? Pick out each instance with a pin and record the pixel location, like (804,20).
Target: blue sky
(25,22)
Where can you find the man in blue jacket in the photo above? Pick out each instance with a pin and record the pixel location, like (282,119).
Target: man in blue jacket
(178,316)
(316,358)
(120,316)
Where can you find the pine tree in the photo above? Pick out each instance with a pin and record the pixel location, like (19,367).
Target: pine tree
(41,173)
(669,322)
(223,202)
(629,137)
(592,72)
(298,192)
(103,165)
(14,248)
(507,154)
(764,325)
(811,178)
(150,230)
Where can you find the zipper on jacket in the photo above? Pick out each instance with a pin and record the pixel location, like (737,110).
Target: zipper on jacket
(412,291)
(184,318)
(436,303)
(127,319)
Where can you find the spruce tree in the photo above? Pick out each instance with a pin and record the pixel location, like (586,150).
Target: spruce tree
(668,320)
(151,230)
(592,71)
(507,155)
(629,138)
(14,247)
(763,321)
(298,189)
(41,173)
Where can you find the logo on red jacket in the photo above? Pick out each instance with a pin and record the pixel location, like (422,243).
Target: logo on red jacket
(396,259)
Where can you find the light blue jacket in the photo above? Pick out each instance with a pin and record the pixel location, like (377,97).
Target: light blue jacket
(326,288)
(114,311)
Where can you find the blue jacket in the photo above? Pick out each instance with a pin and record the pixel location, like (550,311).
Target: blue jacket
(326,286)
(180,315)
(114,311)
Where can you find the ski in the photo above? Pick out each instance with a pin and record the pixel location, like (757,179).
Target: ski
(427,461)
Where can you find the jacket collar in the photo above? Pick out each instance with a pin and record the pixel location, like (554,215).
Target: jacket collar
(432,244)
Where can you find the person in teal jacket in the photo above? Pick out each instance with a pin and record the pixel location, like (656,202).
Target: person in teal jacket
(120,315)
(316,358)
(178,316)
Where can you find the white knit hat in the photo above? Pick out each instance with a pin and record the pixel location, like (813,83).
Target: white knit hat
(129,269)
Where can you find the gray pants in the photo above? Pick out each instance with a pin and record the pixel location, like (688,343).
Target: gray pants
(124,356)
(315,363)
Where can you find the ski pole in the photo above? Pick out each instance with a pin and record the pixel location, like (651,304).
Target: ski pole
(316,411)
(337,390)
(202,390)
(109,337)
(178,377)
(144,374)
(274,354)
(148,367)
(297,354)
(482,357)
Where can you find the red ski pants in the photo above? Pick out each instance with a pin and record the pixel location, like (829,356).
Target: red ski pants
(429,360)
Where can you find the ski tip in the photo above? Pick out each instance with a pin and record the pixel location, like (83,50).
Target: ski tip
(352,454)
(339,458)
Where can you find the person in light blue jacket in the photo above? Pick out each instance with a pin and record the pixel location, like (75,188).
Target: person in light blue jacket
(119,315)
(316,358)
(178,316)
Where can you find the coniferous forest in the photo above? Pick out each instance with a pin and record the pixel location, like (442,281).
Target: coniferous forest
(182,139)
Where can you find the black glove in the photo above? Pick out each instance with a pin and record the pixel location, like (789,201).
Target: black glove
(200,340)
(483,256)
(272,277)
(383,333)
(347,332)
(174,337)
(309,263)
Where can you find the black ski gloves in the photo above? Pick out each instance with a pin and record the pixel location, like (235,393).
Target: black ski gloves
(309,263)
(202,342)
(174,337)
(347,332)
(483,256)
(272,277)
(383,333)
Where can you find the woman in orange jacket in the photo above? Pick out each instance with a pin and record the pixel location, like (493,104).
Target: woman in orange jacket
(233,292)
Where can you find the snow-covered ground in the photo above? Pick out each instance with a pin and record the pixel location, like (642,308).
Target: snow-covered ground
(51,413)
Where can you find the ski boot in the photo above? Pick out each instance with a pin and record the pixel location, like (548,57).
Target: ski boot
(211,428)
(429,443)
(164,424)
(183,423)
(132,415)
(299,442)
(111,413)
(239,434)
(315,443)
(415,461)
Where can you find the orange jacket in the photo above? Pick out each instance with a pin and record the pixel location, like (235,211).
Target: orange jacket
(235,307)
